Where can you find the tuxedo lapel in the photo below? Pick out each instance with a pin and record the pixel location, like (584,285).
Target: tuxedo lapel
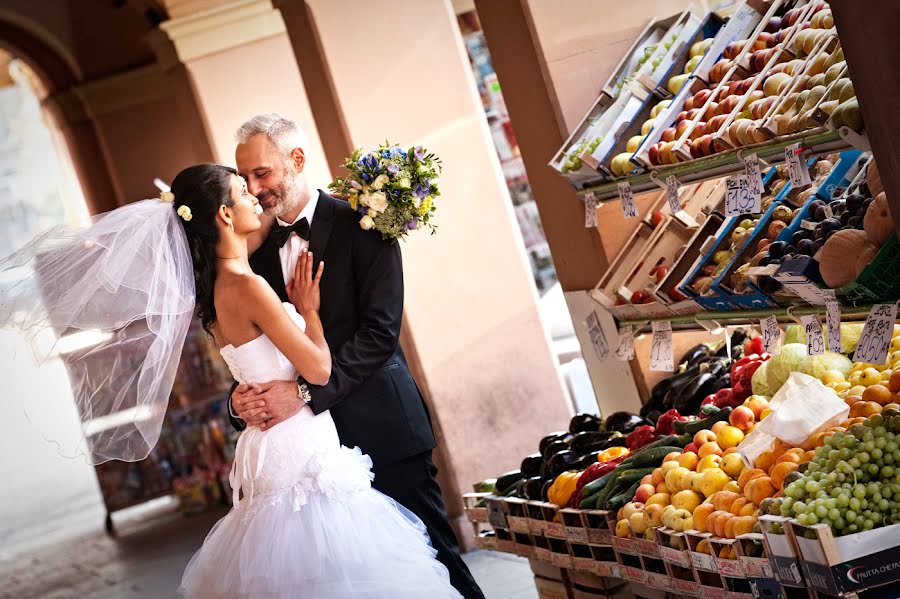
(267,263)
(320,231)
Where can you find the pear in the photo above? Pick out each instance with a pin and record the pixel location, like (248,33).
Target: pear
(836,57)
(816,80)
(815,94)
(847,91)
(818,64)
(829,106)
(834,71)
(851,115)
(801,100)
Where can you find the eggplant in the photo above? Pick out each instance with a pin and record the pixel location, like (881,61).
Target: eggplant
(554,448)
(532,487)
(692,355)
(619,441)
(545,490)
(654,404)
(531,465)
(562,461)
(624,422)
(551,438)
(589,441)
(587,459)
(584,423)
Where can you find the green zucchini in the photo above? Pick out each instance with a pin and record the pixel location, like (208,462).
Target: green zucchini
(507,481)
(622,498)
(596,485)
(622,481)
(589,502)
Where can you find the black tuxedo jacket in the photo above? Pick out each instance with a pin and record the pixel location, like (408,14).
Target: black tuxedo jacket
(373,398)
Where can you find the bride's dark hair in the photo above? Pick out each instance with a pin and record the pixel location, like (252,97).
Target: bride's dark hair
(202,188)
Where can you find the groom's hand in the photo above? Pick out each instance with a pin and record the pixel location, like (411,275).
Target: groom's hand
(282,401)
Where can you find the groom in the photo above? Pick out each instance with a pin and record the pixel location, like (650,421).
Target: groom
(372,397)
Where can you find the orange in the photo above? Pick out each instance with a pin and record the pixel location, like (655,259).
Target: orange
(729,527)
(723,500)
(877,393)
(749,510)
(760,488)
(748,475)
(701,515)
(780,470)
(737,505)
(765,461)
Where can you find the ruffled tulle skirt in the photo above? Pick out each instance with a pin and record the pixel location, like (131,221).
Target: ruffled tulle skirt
(328,537)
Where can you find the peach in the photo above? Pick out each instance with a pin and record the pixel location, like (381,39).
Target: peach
(709,448)
(657,477)
(749,474)
(738,505)
(672,456)
(662,488)
(780,470)
(701,514)
(718,426)
(703,437)
(688,460)
(758,404)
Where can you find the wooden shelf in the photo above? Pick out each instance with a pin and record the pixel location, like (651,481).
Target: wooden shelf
(719,165)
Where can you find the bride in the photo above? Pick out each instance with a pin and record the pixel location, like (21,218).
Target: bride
(306,521)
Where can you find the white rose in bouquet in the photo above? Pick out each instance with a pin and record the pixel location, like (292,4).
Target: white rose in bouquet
(379,182)
(377,201)
(366,222)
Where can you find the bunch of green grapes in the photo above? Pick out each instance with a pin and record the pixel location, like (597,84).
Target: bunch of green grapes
(853,482)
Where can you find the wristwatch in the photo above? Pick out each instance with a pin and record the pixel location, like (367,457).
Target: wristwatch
(304,394)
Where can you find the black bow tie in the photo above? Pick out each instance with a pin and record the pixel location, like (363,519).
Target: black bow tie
(281,234)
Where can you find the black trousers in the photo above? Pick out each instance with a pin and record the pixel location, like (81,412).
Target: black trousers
(412,483)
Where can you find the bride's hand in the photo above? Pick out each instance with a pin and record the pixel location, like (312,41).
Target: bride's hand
(303,288)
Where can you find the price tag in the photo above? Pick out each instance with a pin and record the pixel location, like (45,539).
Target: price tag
(833,318)
(754,174)
(771,334)
(590,210)
(629,210)
(876,336)
(672,194)
(797,169)
(625,348)
(598,337)
(661,350)
(739,198)
(815,339)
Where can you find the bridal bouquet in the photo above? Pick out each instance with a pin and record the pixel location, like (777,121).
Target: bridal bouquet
(394,189)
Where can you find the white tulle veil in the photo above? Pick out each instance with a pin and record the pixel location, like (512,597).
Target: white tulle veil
(126,281)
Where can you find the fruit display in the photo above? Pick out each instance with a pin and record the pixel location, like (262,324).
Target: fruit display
(852,483)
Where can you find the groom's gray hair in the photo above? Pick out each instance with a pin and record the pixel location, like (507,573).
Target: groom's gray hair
(281,131)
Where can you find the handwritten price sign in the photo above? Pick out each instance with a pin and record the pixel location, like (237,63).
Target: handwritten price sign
(739,197)
(590,210)
(661,350)
(598,337)
(672,194)
(876,336)
(833,316)
(754,174)
(797,169)
(629,209)
(771,333)
(815,339)
(625,349)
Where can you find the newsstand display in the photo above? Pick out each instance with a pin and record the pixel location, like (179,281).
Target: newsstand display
(767,464)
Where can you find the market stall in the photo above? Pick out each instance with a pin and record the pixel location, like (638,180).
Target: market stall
(762,462)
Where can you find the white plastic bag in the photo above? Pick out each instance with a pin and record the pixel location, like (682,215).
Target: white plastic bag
(802,407)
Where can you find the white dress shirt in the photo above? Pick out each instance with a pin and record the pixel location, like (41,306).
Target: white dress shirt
(290,251)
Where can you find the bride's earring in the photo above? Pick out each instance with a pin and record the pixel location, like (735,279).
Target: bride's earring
(232,226)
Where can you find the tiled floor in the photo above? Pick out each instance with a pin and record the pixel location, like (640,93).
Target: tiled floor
(147,560)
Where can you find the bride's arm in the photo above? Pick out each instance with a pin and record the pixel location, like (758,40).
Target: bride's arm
(308,352)
(256,239)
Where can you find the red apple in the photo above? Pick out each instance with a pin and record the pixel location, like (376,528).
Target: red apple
(669,134)
(656,218)
(653,154)
(696,151)
(689,103)
(690,447)
(742,417)
(677,295)
(680,129)
(644,492)
(773,25)
(701,97)
(639,297)
(681,116)
(661,272)
(733,49)
(699,130)
(711,110)
(715,123)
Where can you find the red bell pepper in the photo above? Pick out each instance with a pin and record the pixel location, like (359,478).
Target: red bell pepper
(642,435)
(664,422)
(754,346)
(590,474)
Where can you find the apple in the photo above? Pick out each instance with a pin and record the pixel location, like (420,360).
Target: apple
(681,116)
(670,134)
(661,273)
(742,418)
(700,98)
(710,111)
(704,436)
(656,218)
(690,447)
(706,145)
(773,25)
(645,492)
(653,153)
(714,124)
(638,523)
(622,529)
(689,102)
(654,514)
(632,507)
(678,519)
(699,129)
(638,297)
(680,130)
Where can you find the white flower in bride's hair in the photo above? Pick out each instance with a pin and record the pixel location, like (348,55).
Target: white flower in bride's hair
(366,222)
(378,201)
(184,212)
(379,182)
(167,196)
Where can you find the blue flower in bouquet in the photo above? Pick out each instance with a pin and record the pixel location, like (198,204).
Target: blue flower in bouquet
(393,189)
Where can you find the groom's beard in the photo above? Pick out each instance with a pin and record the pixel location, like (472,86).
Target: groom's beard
(283,199)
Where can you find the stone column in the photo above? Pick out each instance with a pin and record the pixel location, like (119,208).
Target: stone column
(471,315)
(238,62)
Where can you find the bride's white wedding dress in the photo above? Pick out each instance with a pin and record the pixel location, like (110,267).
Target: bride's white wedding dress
(309,524)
